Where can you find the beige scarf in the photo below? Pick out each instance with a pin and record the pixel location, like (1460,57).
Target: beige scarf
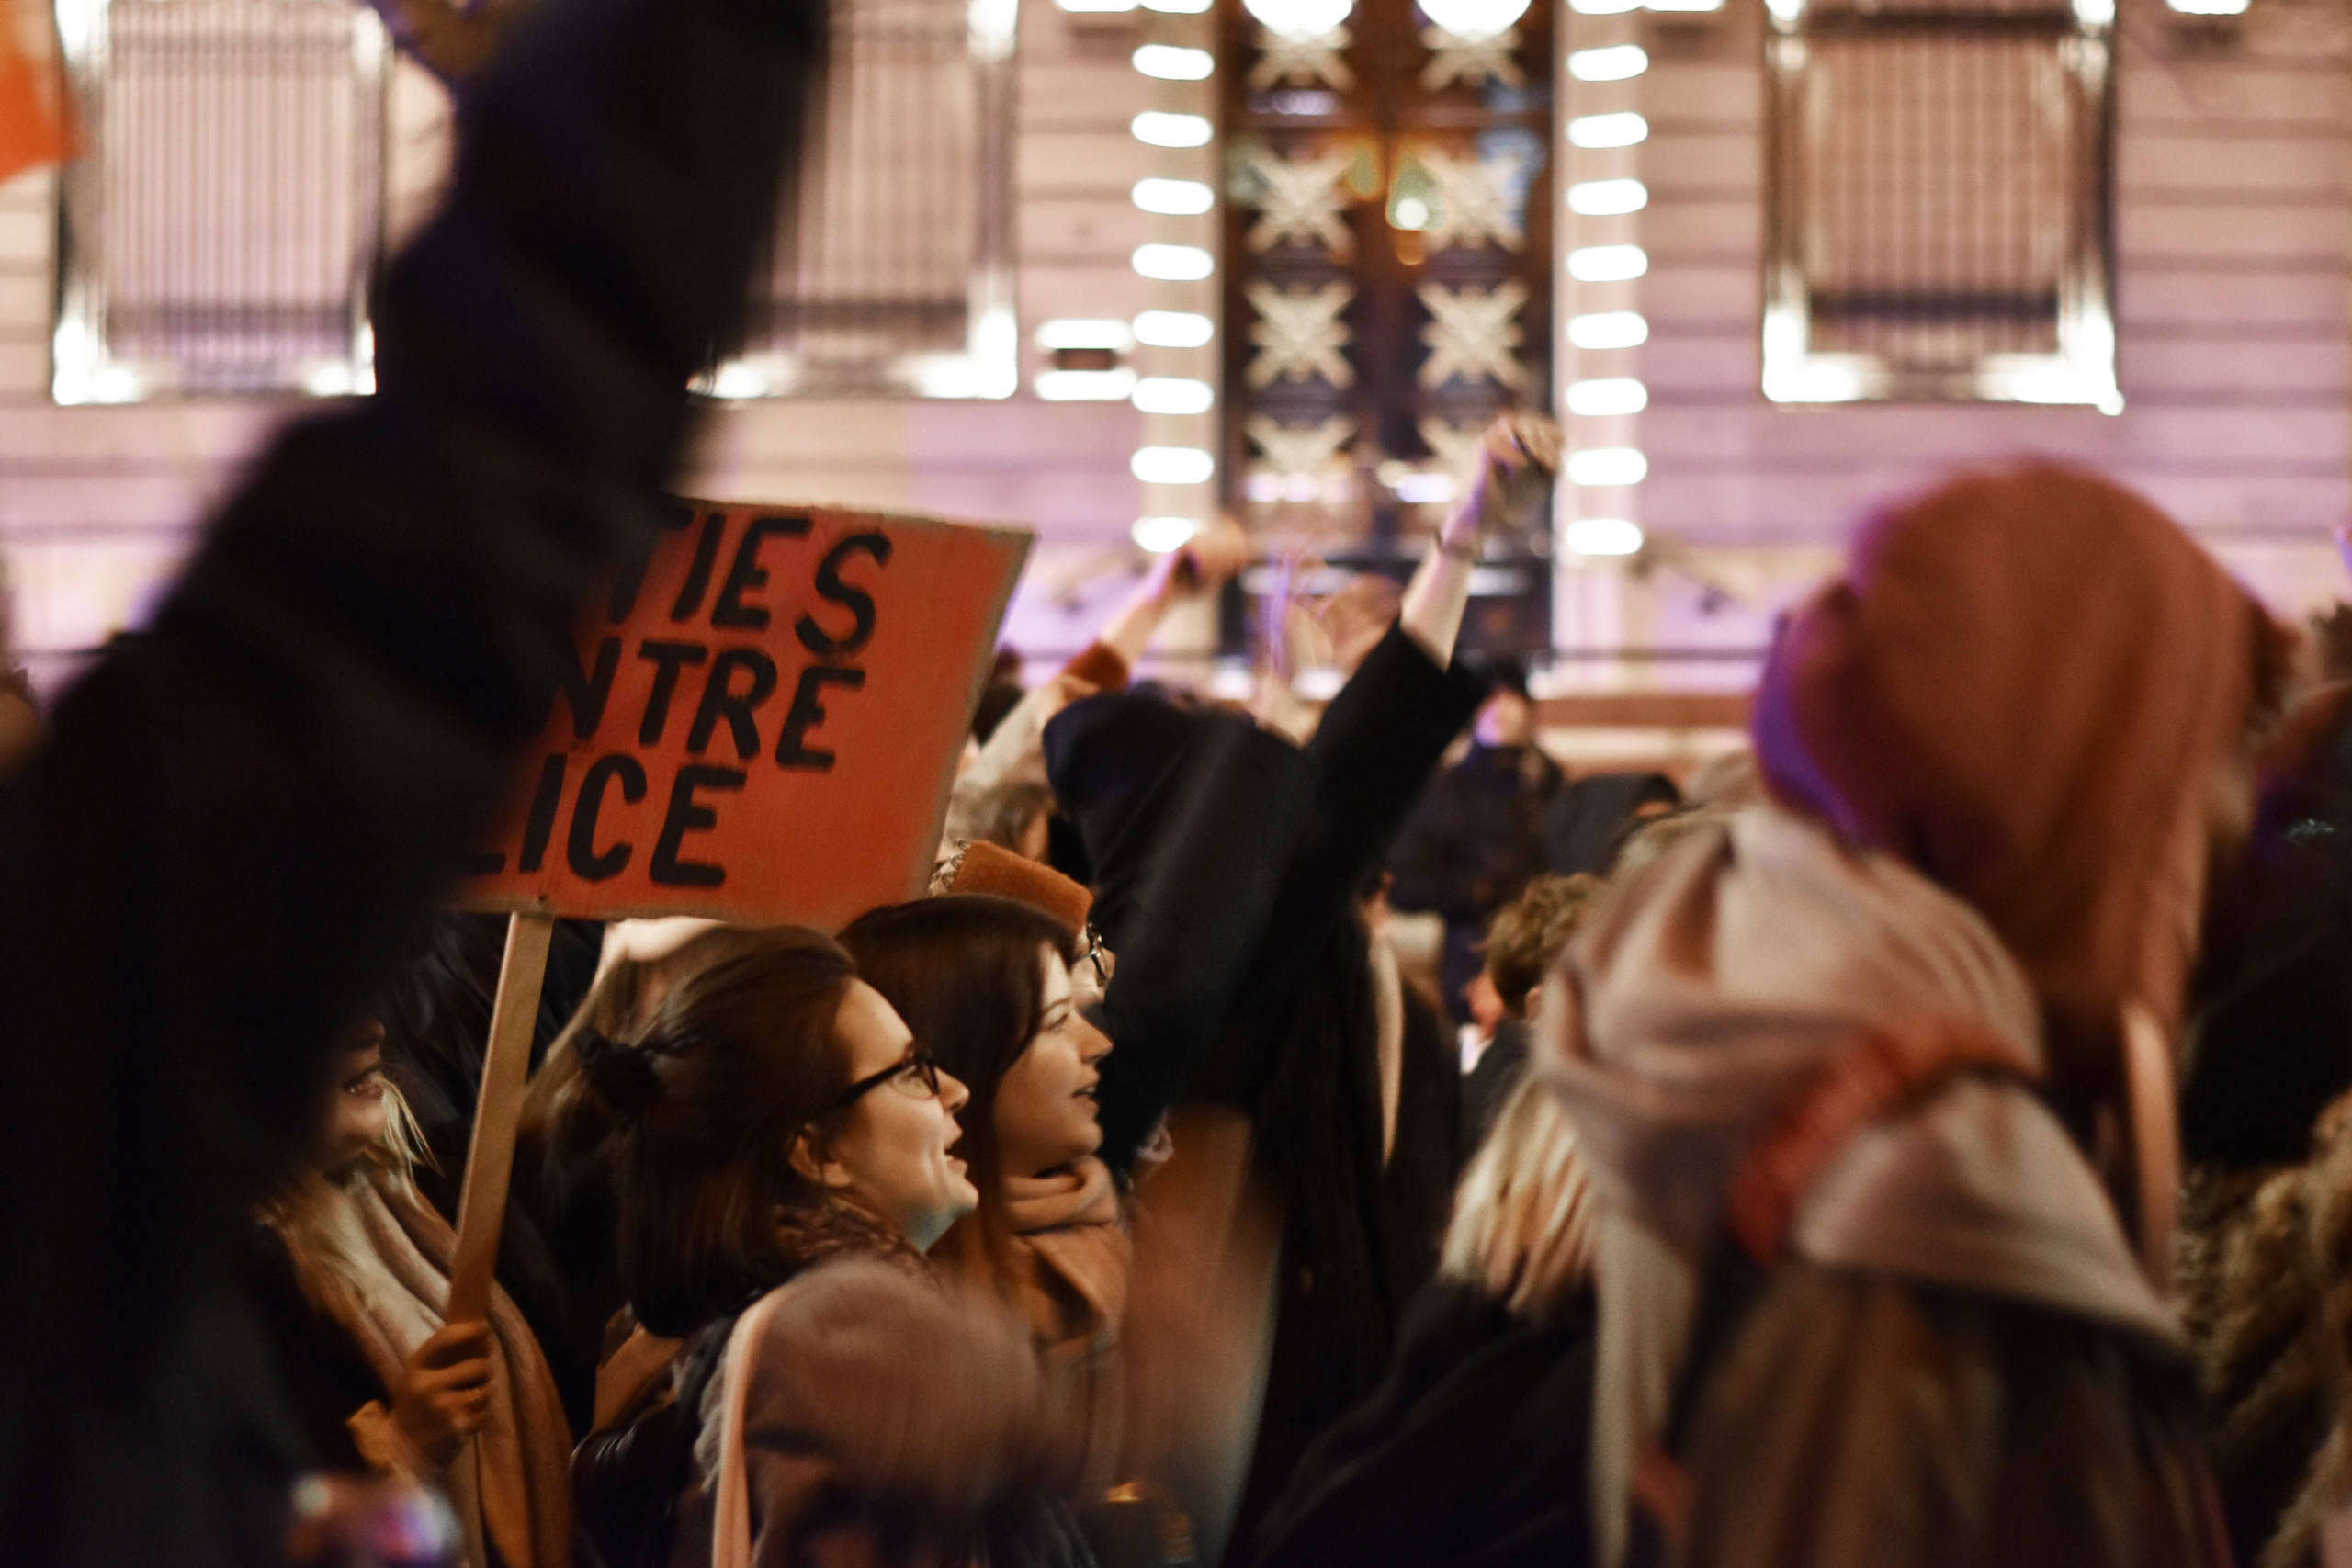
(1076,1259)
(1696,1010)
(523,1452)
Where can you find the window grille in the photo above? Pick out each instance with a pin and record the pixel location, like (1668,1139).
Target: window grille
(893,271)
(220,234)
(1940,205)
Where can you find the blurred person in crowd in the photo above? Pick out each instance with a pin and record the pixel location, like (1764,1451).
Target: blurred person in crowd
(2266,1134)
(351,1269)
(1001,796)
(1004,993)
(785,1163)
(434,1014)
(1311,1085)
(562,1191)
(239,819)
(1586,822)
(1526,935)
(1477,837)
(1874,1081)
(1472,1449)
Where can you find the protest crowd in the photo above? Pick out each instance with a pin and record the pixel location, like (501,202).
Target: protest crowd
(1919,1139)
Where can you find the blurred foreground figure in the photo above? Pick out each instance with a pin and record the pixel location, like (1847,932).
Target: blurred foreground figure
(1865,1075)
(238,819)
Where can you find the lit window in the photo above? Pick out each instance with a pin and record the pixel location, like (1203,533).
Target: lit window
(1173,329)
(1609,329)
(1621,130)
(1604,198)
(1174,198)
(1607,395)
(1937,217)
(1606,467)
(1174,264)
(1173,465)
(220,228)
(1607,264)
(1156,129)
(1171,63)
(1614,63)
(1174,395)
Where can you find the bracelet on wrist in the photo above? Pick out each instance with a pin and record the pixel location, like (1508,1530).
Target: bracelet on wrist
(1459,552)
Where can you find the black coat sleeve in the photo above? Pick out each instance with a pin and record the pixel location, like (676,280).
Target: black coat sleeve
(1372,753)
(240,816)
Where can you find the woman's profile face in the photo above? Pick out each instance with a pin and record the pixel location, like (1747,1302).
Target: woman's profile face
(891,1151)
(1046,1111)
(356,1113)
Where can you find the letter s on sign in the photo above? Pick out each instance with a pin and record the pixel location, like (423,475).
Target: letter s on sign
(855,599)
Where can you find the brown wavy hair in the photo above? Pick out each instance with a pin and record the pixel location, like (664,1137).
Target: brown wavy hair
(962,970)
(711,1094)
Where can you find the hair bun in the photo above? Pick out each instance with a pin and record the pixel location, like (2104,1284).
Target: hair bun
(624,1075)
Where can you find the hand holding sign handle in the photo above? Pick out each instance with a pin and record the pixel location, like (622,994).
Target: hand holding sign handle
(490,1158)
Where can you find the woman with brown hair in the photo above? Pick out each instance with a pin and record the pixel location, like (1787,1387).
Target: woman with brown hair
(1000,990)
(782,1165)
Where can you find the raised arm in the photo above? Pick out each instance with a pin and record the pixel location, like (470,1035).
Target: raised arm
(239,817)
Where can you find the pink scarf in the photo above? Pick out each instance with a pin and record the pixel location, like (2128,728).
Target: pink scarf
(1076,1255)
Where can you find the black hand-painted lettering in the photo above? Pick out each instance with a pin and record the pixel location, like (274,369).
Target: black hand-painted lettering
(677,516)
(587,690)
(687,814)
(855,599)
(720,700)
(538,827)
(792,747)
(666,659)
(747,573)
(579,848)
(688,604)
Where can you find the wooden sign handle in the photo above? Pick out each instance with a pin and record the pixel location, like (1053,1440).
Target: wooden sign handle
(490,1158)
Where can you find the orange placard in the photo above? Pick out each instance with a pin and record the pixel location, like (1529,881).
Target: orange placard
(763,725)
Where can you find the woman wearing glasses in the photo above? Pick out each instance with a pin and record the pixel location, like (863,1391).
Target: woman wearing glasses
(784,1165)
(1001,990)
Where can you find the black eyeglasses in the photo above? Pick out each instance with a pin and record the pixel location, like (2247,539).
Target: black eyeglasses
(1100,957)
(916,1076)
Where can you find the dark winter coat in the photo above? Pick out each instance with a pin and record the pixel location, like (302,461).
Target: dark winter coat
(1470,847)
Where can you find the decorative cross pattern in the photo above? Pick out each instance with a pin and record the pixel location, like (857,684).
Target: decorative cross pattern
(1454,448)
(1472,333)
(1299,336)
(1302,200)
(1474,200)
(1470,58)
(1304,58)
(1300,451)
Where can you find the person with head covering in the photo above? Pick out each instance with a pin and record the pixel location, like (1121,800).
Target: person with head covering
(1476,838)
(1875,1081)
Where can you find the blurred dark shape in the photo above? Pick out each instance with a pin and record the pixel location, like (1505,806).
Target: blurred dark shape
(370,1521)
(999,698)
(1589,820)
(2273,1043)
